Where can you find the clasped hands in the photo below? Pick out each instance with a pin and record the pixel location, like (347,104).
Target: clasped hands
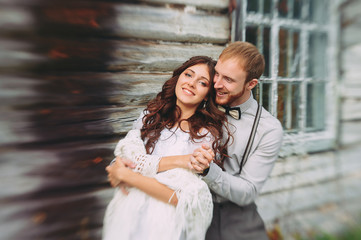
(201,158)
(198,161)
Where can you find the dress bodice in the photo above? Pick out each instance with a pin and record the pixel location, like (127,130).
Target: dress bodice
(175,141)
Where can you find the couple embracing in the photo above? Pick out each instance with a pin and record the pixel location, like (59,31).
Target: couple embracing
(198,155)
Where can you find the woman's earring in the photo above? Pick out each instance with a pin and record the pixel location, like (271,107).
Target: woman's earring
(204,104)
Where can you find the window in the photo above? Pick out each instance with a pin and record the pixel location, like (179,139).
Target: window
(298,40)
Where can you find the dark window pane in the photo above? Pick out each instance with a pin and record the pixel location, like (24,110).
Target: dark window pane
(252,6)
(317,58)
(282,8)
(281,103)
(296,55)
(288,105)
(297,7)
(295,104)
(315,112)
(266,50)
(289,53)
(282,44)
(251,34)
(263,91)
(266,96)
(267,7)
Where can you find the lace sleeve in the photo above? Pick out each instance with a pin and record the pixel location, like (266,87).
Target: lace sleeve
(147,165)
(132,147)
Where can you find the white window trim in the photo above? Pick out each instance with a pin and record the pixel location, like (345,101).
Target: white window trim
(301,142)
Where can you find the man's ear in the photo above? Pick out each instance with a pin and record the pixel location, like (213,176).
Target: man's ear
(251,84)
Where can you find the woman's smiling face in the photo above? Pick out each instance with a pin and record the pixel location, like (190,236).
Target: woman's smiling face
(193,86)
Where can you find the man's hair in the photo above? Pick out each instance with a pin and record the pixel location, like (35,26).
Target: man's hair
(248,57)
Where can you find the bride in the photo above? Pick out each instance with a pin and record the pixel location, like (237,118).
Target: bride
(174,204)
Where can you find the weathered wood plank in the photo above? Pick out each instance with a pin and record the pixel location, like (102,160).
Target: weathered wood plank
(38,17)
(351,109)
(352,91)
(280,204)
(55,54)
(48,183)
(351,22)
(301,163)
(157,57)
(101,55)
(351,34)
(15,18)
(16,88)
(203,4)
(299,179)
(16,55)
(350,133)
(214,4)
(51,107)
(72,162)
(59,124)
(170,25)
(351,57)
(350,157)
(121,20)
(298,171)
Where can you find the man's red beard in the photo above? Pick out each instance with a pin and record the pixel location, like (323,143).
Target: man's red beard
(230,98)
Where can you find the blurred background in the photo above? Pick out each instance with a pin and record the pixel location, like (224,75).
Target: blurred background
(74,75)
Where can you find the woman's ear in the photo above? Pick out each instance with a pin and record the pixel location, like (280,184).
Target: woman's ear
(251,84)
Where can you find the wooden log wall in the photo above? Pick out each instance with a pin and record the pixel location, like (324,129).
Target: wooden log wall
(73,77)
(350,114)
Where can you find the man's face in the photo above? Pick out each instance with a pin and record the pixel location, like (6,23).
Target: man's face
(229,83)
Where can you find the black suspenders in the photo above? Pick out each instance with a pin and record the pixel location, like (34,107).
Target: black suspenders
(251,138)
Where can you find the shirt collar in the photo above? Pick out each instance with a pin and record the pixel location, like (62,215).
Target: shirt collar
(247,104)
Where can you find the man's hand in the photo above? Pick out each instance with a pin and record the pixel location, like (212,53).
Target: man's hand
(201,158)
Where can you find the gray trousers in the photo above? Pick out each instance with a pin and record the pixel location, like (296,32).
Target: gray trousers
(232,222)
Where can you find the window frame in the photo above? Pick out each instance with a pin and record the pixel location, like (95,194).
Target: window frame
(302,141)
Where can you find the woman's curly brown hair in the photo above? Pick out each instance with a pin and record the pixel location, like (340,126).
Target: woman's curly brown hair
(162,112)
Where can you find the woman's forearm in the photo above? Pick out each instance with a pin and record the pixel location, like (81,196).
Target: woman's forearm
(152,187)
(171,162)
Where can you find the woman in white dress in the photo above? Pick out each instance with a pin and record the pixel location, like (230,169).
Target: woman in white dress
(174,204)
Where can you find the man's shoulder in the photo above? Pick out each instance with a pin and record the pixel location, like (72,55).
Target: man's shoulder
(269,122)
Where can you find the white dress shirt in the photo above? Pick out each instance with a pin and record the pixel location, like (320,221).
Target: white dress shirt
(243,188)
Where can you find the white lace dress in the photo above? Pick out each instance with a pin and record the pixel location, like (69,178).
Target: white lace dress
(137,216)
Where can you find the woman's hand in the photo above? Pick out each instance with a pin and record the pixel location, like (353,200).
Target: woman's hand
(118,174)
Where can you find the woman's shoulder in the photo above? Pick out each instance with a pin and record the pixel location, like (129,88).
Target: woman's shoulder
(138,123)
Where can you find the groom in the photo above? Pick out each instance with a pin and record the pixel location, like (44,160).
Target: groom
(235,215)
